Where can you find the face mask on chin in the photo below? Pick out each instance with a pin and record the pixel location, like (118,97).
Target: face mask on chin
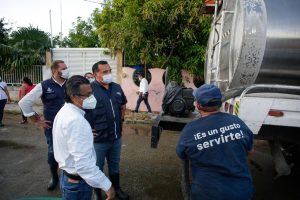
(107,79)
(65,74)
(89,103)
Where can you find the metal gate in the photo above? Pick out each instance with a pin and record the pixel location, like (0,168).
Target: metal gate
(15,77)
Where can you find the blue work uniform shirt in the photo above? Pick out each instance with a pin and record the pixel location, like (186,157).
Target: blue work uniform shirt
(217,146)
(106,117)
(52,98)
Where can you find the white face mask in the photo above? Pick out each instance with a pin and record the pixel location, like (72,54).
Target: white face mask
(91,79)
(89,103)
(65,74)
(107,78)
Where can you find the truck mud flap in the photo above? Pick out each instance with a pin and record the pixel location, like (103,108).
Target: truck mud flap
(281,166)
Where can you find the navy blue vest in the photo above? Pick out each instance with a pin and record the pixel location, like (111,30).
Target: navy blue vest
(52,98)
(106,117)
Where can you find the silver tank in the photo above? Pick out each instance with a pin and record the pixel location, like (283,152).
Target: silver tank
(254,41)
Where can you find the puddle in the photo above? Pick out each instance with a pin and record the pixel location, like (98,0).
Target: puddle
(14,145)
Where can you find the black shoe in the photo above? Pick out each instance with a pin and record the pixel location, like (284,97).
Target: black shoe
(1,125)
(52,184)
(24,122)
(115,180)
(121,194)
(54,177)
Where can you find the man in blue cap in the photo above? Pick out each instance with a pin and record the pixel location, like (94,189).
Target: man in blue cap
(217,144)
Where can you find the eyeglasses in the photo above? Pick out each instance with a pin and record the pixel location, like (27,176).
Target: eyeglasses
(87,95)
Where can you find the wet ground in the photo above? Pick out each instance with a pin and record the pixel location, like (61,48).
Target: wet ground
(146,173)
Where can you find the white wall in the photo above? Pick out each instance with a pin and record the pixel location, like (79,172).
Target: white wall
(81,60)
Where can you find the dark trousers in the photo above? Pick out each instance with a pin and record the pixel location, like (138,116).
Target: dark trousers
(24,118)
(140,99)
(51,160)
(2,105)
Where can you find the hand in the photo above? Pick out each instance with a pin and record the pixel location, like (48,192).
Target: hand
(43,123)
(110,194)
(94,132)
(9,100)
(137,92)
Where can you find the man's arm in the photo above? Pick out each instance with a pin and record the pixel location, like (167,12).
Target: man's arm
(251,152)
(180,148)
(22,91)
(7,94)
(123,112)
(124,101)
(26,105)
(81,148)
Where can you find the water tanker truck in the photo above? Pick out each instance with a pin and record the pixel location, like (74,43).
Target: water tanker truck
(253,56)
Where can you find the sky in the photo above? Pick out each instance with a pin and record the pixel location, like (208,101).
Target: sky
(22,13)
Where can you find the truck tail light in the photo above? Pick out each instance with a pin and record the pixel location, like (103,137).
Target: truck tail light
(275,113)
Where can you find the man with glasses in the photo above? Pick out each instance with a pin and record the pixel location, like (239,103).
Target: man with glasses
(73,144)
(106,121)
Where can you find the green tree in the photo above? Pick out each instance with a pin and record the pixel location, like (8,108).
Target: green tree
(83,34)
(26,47)
(161,33)
(66,42)
(3,32)
(4,49)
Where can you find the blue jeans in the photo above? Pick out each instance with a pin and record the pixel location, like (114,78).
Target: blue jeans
(145,99)
(74,191)
(112,152)
(51,159)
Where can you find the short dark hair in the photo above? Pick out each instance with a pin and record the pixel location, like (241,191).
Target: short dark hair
(87,74)
(142,74)
(95,66)
(55,64)
(209,109)
(73,86)
(27,80)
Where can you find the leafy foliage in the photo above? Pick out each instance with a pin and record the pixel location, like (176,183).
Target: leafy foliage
(83,34)
(66,42)
(26,47)
(3,32)
(4,49)
(161,33)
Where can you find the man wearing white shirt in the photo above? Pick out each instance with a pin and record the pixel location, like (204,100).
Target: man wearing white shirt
(143,93)
(74,146)
(51,92)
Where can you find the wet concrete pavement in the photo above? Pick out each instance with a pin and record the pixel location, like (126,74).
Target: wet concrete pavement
(146,173)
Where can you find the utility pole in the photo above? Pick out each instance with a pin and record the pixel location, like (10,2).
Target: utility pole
(60,23)
(51,37)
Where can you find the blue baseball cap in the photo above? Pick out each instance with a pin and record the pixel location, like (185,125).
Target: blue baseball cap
(208,95)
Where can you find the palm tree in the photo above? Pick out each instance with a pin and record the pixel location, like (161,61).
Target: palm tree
(26,47)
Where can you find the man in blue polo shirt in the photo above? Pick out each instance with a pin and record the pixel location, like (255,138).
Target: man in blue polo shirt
(217,144)
(106,121)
